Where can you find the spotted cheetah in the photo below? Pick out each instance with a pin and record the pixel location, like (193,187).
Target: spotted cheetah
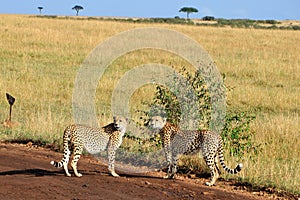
(176,142)
(94,140)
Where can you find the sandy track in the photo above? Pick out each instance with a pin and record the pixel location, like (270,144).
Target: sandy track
(26,173)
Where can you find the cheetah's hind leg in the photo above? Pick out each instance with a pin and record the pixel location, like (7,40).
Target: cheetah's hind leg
(64,162)
(75,159)
(212,165)
(65,165)
(113,173)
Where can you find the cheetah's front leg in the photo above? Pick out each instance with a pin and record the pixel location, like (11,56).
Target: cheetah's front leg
(174,165)
(111,161)
(169,172)
(168,154)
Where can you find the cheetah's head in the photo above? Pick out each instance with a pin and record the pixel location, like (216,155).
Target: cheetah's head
(120,123)
(157,122)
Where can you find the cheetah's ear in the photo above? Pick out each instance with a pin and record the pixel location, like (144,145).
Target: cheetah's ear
(164,119)
(126,119)
(114,117)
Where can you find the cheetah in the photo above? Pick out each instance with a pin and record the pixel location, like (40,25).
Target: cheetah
(176,142)
(93,140)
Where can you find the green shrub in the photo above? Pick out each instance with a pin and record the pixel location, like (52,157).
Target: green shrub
(197,92)
(296,28)
(208,18)
(268,21)
(236,133)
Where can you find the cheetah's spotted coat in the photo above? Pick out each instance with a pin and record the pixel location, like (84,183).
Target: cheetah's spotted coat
(77,137)
(177,142)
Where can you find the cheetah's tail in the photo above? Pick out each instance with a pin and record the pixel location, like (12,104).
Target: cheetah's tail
(237,169)
(57,164)
(67,152)
(64,160)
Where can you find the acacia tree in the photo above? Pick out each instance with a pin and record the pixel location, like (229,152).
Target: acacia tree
(77,8)
(40,9)
(188,10)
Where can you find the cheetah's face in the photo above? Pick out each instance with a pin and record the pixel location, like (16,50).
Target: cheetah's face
(120,122)
(157,122)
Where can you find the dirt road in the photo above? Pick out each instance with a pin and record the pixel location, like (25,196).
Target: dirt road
(26,173)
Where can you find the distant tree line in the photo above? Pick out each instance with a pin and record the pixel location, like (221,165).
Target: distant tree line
(77,8)
(217,22)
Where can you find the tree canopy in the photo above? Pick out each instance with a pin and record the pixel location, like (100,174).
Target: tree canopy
(77,8)
(40,9)
(188,10)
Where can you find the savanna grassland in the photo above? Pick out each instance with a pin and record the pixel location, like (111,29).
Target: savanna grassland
(39,59)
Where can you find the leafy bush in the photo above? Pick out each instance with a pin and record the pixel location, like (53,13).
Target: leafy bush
(236,133)
(249,23)
(271,21)
(208,18)
(190,90)
(296,28)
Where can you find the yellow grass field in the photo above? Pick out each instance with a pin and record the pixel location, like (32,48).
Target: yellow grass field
(39,59)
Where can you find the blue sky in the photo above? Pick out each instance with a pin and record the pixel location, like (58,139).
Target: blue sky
(251,9)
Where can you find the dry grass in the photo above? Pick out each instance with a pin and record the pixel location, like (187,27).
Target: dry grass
(39,59)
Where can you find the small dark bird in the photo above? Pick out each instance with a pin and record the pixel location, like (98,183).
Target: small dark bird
(10,99)
(8,123)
